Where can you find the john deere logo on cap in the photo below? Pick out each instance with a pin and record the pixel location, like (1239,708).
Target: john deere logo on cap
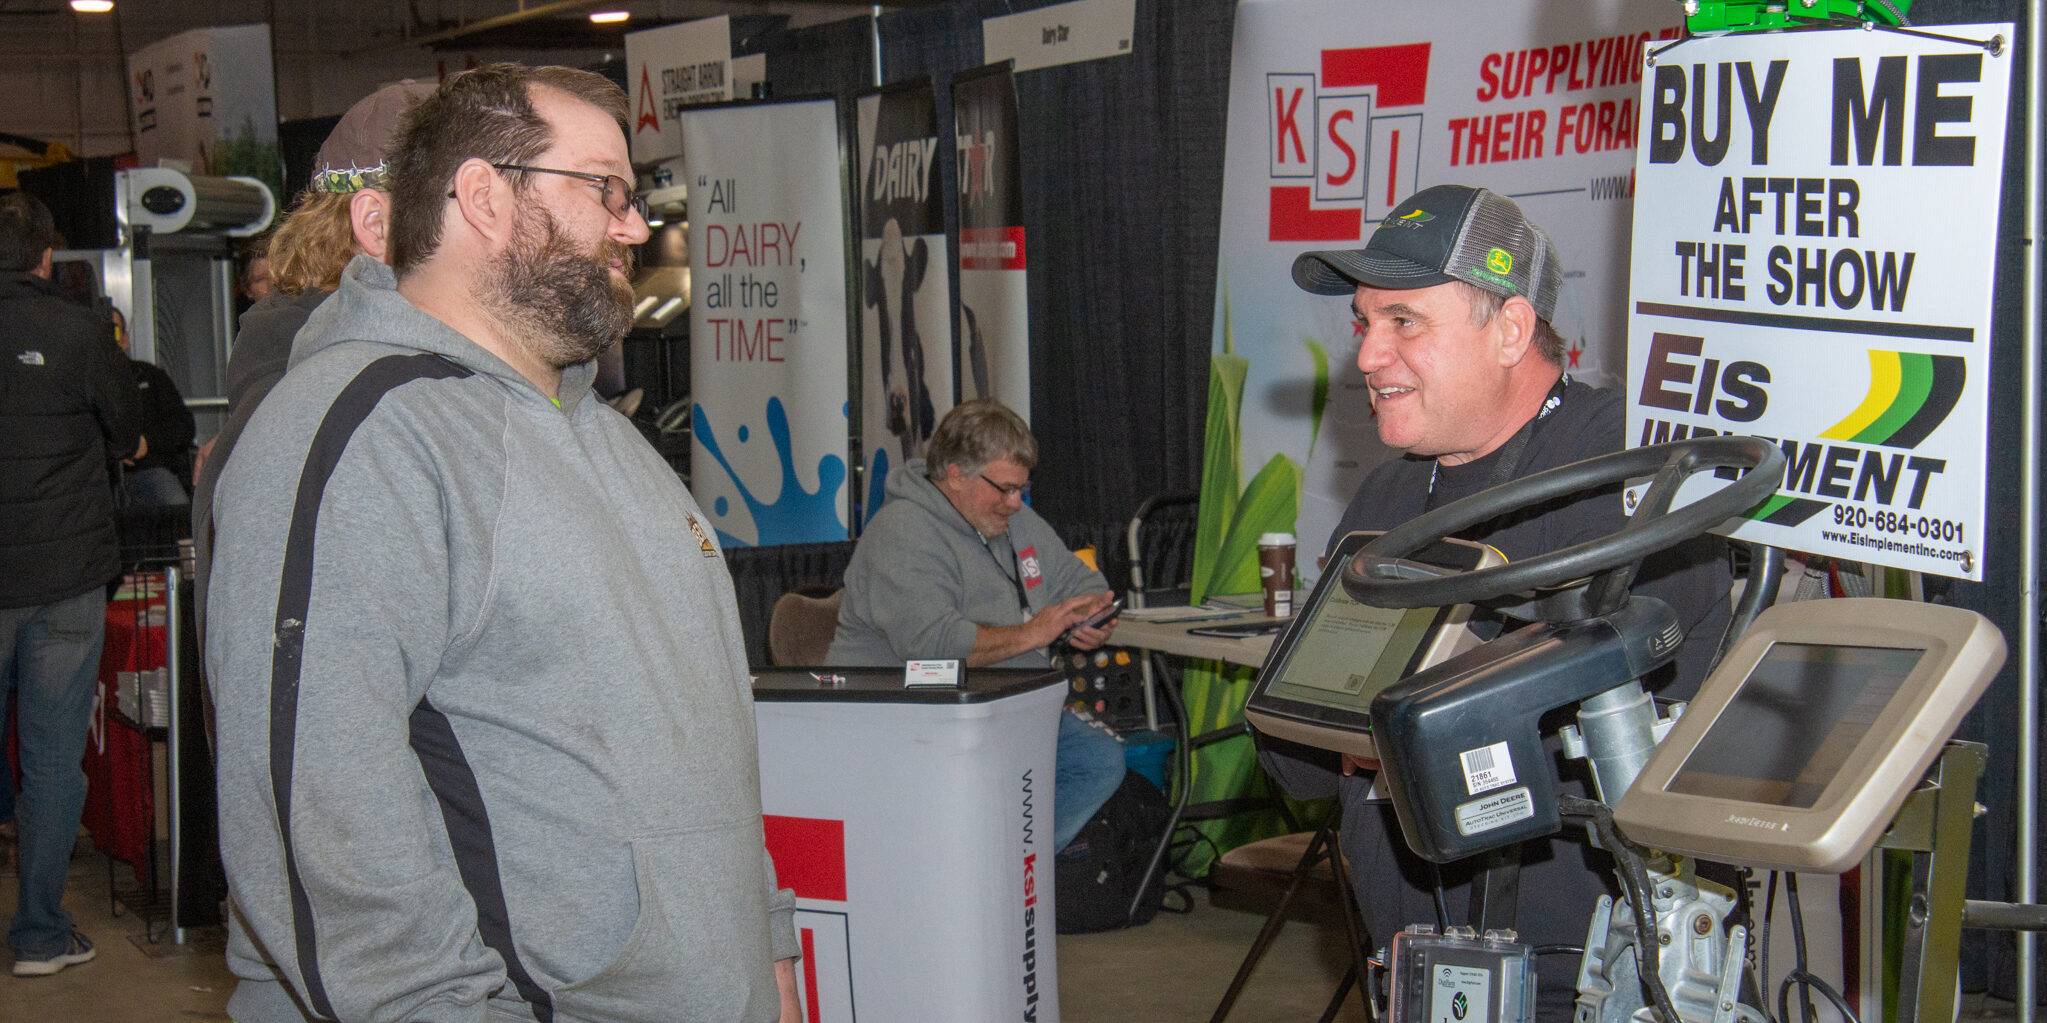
(1499,262)
(1409,220)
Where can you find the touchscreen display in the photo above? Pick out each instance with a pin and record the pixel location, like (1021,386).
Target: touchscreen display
(1794,722)
(1347,652)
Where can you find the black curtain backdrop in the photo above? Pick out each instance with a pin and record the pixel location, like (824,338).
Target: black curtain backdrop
(1122,168)
(1122,184)
(760,575)
(1989,958)
(833,58)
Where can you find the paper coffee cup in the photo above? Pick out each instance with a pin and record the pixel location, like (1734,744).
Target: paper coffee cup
(1276,573)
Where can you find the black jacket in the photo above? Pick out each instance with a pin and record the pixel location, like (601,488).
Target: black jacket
(66,409)
(165,421)
(261,354)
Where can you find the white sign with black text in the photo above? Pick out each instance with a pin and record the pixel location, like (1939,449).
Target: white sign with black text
(672,67)
(1815,239)
(1060,34)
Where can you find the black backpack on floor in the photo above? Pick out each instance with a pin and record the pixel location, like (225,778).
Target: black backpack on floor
(1097,873)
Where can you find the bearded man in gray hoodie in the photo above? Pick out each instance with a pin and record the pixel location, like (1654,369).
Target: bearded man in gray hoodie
(486,731)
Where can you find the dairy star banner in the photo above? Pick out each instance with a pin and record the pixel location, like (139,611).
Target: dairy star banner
(767,253)
(906,297)
(995,322)
(1337,112)
(1813,256)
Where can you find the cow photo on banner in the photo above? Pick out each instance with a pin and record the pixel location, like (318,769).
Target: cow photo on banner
(767,327)
(995,322)
(906,293)
(1813,258)
(1334,118)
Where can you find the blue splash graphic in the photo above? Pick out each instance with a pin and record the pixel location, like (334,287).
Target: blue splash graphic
(877,485)
(797,516)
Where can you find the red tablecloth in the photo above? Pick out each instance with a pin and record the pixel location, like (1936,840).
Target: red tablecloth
(120,808)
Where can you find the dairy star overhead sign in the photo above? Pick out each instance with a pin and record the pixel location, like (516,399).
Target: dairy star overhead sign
(1813,258)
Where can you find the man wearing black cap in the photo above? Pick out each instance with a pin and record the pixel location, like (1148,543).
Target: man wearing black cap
(1453,295)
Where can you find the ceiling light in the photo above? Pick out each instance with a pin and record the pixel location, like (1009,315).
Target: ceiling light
(602,17)
(92,6)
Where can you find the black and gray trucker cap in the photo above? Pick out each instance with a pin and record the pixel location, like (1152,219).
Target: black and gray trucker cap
(1440,234)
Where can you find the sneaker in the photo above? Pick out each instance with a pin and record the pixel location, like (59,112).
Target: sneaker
(80,950)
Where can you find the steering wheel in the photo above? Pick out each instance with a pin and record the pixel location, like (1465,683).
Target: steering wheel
(1379,574)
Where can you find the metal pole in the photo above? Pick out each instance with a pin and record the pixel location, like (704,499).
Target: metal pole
(2029,523)
(172,760)
(874,30)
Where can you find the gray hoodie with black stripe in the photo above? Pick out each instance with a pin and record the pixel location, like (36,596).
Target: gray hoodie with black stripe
(486,738)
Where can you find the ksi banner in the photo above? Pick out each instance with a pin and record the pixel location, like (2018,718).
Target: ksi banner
(1814,247)
(767,254)
(995,323)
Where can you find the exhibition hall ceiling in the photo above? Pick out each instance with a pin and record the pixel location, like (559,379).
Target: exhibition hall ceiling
(346,26)
(62,73)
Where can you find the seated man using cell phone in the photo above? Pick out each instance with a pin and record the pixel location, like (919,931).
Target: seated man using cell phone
(955,565)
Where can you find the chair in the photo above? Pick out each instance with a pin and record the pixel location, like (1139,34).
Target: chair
(1160,542)
(1161,538)
(801,626)
(1161,547)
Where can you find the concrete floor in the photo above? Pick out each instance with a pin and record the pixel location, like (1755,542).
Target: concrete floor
(1172,969)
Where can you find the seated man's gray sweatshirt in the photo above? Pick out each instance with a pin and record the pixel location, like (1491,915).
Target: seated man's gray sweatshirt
(486,734)
(922,581)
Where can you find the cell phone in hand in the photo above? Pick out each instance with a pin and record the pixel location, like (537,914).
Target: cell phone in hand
(1108,611)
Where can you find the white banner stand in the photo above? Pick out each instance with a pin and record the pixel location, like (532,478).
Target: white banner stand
(915,826)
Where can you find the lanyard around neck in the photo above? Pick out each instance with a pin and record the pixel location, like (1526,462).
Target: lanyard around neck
(1509,462)
(1015,577)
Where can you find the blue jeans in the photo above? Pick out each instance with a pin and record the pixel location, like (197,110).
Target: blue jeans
(1089,769)
(6,766)
(49,658)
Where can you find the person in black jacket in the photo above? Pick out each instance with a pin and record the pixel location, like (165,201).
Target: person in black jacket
(158,475)
(65,412)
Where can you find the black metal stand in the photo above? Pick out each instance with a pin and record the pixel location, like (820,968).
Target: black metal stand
(1324,846)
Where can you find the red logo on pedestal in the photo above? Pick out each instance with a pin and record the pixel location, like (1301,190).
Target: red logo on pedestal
(810,859)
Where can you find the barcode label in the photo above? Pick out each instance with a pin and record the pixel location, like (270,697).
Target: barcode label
(1487,768)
